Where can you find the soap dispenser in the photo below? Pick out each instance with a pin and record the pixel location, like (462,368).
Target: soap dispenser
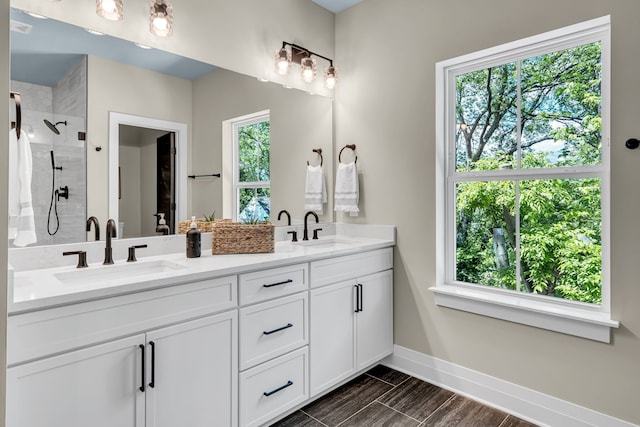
(162,226)
(193,240)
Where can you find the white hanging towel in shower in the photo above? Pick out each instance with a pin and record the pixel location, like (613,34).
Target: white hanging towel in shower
(22,227)
(315,190)
(347,193)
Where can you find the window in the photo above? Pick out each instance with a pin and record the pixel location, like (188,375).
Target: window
(251,159)
(523,181)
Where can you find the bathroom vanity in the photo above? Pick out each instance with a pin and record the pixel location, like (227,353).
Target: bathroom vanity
(220,340)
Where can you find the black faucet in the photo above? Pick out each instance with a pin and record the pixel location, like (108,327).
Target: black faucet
(288,216)
(111,232)
(293,233)
(306,232)
(96,227)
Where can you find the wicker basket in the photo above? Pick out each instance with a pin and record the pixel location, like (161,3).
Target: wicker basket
(239,238)
(205,226)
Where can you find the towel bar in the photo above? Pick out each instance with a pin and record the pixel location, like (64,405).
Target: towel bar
(351,147)
(319,151)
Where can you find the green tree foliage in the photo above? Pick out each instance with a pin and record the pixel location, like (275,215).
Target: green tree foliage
(560,219)
(254,160)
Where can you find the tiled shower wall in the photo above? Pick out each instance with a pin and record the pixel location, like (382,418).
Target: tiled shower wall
(66,101)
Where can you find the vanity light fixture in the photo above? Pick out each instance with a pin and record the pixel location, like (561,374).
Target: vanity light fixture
(161,18)
(113,10)
(303,57)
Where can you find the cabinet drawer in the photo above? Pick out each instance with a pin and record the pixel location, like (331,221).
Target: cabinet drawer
(333,270)
(40,333)
(273,328)
(270,389)
(273,283)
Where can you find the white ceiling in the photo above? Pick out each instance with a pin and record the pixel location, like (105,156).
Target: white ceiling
(336,6)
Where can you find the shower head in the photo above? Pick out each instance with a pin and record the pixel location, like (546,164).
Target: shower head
(53,127)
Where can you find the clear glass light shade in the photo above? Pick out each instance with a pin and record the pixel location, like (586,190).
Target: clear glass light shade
(161,18)
(308,72)
(330,77)
(283,61)
(112,10)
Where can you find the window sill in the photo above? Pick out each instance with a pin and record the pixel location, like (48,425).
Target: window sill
(575,321)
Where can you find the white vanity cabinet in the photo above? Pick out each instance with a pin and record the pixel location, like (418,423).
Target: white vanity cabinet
(351,305)
(274,338)
(182,374)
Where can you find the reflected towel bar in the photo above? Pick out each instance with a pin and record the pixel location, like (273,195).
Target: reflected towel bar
(217,175)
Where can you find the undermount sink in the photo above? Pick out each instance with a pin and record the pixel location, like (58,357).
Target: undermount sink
(112,273)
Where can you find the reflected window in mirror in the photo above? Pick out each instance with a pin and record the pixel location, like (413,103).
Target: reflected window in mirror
(251,168)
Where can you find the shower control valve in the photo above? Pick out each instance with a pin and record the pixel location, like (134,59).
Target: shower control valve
(63,192)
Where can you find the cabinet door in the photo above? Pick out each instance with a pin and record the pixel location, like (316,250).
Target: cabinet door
(96,386)
(374,321)
(193,373)
(332,335)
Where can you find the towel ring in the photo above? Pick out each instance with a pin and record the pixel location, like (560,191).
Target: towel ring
(319,151)
(351,147)
(16,96)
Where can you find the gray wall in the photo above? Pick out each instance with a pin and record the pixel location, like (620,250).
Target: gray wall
(4,179)
(387,51)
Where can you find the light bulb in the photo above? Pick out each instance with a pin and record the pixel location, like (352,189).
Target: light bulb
(108,6)
(283,61)
(161,18)
(160,24)
(330,77)
(308,73)
(110,9)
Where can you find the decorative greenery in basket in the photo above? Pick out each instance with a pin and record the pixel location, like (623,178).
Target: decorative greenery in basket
(242,238)
(205,224)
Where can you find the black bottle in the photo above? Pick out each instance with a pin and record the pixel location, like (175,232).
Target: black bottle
(193,240)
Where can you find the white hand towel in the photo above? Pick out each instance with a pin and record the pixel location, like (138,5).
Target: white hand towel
(347,193)
(22,227)
(315,190)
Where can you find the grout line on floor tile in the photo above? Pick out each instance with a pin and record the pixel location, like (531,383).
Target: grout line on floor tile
(402,413)
(504,421)
(440,407)
(354,414)
(386,382)
(314,418)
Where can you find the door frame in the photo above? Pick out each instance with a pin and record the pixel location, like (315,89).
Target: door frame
(180,130)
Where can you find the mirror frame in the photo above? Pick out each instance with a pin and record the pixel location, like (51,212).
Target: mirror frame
(180,129)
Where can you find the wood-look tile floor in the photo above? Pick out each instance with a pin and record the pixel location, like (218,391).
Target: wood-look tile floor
(383,397)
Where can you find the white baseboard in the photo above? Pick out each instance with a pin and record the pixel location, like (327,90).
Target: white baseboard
(527,404)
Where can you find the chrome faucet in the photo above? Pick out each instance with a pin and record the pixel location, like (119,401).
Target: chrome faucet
(306,232)
(111,232)
(96,227)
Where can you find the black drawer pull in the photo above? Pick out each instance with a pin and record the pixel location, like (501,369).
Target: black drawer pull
(141,388)
(282,328)
(269,393)
(278,284)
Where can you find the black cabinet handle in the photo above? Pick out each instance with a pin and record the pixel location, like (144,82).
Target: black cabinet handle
(144,380)
(282,387)
(357,298)
(282,328)
(152,384)
(361,292)
(278,284)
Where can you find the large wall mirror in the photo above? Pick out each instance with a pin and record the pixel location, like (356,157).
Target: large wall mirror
(78,82)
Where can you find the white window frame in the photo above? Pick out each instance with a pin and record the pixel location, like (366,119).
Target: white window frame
(573,318)
(234,180)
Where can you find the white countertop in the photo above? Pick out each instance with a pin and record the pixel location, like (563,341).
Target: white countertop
(42,288)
